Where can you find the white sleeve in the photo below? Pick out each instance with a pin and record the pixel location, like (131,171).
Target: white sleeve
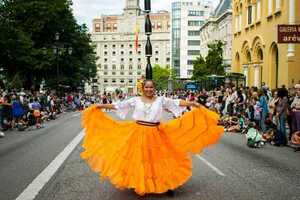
(123,107)
(173,105)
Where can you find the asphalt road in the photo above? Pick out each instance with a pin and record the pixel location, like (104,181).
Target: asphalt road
(23,155)
(228,170)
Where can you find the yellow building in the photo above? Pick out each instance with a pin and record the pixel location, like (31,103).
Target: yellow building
(256,52)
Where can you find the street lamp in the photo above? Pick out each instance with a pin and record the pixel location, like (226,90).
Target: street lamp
(148,31)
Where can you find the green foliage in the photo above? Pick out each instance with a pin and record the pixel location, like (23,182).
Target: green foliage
(212,64)
(161,76)
(27,40)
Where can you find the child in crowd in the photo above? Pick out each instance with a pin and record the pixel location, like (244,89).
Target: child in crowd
(254,138)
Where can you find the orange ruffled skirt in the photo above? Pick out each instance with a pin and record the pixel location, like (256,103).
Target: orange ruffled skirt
(148,159)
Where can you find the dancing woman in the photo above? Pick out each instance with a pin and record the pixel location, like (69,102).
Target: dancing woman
(147,155)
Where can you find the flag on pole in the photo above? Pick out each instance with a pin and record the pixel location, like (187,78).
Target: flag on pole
(136,40)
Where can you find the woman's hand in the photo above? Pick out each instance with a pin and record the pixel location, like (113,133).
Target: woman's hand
(196,104)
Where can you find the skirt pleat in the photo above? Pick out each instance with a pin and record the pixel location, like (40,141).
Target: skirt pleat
(146,159)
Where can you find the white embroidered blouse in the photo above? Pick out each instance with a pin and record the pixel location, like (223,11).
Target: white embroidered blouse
(149,112)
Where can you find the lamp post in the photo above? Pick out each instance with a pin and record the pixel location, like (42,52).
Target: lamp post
(148,31)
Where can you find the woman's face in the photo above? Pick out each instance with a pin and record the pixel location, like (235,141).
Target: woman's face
(149,89)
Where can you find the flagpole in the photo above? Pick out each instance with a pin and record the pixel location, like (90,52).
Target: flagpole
(148,31)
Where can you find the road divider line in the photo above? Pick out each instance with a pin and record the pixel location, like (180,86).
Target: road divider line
(210,165)
(41,180)
(75,115)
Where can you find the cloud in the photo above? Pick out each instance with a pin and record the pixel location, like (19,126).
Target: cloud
(86,10)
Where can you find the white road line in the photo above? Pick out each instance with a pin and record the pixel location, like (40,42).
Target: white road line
(75,115)
(211,165)
(40,181)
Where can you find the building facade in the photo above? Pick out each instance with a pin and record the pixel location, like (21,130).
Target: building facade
(187,17)
(120,63)
(256,52)
(218,27)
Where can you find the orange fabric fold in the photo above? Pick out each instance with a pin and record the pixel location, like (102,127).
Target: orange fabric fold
(146,159)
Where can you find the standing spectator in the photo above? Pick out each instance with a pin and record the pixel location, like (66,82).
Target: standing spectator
(265,110)
(281,115)
(295,106)
(17,110)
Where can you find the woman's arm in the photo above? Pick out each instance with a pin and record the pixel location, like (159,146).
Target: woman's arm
(106,106)
(189,104)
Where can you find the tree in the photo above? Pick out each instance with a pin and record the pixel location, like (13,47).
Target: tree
(27,39)
(161,76)
(212,64)
(200,69)
(214,58)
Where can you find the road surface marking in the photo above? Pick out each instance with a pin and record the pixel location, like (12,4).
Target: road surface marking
(211,165)
(75,115)
(41,180)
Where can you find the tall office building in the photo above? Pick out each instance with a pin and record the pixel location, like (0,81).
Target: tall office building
(119,63)
(187,18)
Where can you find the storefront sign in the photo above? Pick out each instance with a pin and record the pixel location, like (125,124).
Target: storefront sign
(288,33)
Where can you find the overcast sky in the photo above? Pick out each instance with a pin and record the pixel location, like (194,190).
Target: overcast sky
(86,10)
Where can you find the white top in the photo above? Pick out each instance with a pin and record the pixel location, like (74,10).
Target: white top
(149,112)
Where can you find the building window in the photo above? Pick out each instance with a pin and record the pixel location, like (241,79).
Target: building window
(250,14)
(105,66)
(130,52)
(130,59)
(130,73)
(122,80)
(130,81)
(121,73)
(194,42)
(122,59)
(113,53)
(130,46)
(105,52)
(168,59)
(113,80)
(122,45)
(139,52)
(105,73)
(114,67)
(105,59)
(139,66)
(113,73)
(139,73)
(195,23)
(97,27)
(156,60)
(139,59)
(190,62)
(156,52)
(190,72)
(193,33)
(105,81)
(196,13)
(105,46)
(114,46)
(193,52)
(122,67)
(130,67)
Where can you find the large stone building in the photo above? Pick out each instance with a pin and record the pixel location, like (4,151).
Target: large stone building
(256,52)
(119,63)
(218,27)
(187,17)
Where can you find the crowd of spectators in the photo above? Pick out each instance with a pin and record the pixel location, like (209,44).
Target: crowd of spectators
(25,110)
(263,115)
